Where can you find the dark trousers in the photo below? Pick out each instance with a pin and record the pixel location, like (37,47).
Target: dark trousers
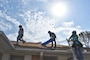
(48,41)
(78,52)
(20,37)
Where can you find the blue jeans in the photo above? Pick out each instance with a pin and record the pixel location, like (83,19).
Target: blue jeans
(78,53)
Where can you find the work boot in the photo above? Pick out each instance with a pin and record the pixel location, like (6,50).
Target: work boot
(23,41)
(43,45)
(17,42)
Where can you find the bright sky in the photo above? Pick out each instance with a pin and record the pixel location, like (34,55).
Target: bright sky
(40,16)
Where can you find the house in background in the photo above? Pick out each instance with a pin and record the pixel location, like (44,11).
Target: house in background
(34,51)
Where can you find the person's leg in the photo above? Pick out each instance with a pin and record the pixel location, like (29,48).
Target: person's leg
(18,38)
(79,53)
(55,43)
(17,42)
(21,39)
(52,44)
(76,52)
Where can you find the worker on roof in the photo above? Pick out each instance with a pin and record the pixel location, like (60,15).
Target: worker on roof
(20,34)
(76,45)
(52,39)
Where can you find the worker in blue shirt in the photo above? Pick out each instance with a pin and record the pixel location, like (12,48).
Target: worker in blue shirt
(74,37)
(75,45)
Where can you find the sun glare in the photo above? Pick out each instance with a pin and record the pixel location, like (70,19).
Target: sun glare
(58,9)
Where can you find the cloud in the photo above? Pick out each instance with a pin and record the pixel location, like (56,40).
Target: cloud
(4,26)
(68,24)
(43,0)
(12,20)
(38,24)
(9,18)
(7,24)
(12,37)
(25,1)
(65,30)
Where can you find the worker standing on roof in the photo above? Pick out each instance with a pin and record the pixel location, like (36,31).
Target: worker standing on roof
(52,39)
(20,34)
(76,45)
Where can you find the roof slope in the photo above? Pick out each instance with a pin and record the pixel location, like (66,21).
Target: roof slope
(4,42)
(37,45)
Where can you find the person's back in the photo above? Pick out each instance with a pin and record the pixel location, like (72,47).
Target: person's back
(52,35)
(21,31)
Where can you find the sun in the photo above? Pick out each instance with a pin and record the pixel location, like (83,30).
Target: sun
(58,9)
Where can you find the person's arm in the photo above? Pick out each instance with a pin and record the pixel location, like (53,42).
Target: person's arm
(55,36)
(70,38)
(22,30)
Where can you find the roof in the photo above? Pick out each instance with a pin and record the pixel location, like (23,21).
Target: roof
(30,47)
(5,42)
(36,45)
